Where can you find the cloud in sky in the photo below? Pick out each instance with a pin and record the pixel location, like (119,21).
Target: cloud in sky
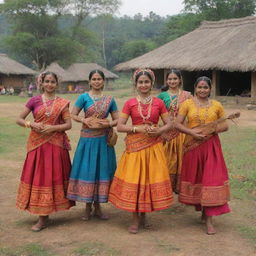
(160,7)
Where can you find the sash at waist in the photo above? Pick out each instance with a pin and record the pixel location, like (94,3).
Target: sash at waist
(138,141)
(91,133)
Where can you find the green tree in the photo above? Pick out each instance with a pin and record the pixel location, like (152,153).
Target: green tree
(221,9)
(83,8)
(136,48)
(35,36)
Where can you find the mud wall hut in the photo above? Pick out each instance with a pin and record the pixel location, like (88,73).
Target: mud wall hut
(14,74)
(223,50)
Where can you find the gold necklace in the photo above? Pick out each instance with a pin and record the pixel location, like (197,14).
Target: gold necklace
(174,103)
(200,105)
(99,106)
(149,109)
(48,111)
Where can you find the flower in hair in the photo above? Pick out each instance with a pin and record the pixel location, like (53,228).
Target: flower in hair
(144,71)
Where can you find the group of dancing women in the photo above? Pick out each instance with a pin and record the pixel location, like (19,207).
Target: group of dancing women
(168,148)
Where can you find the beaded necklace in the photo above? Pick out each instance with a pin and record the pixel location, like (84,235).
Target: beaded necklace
(48,111)
(174,102)
(99,106)
(200,105)
(149,102)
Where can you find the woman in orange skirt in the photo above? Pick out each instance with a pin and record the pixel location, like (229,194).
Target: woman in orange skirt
(141,183)
(45,174)
(172,97)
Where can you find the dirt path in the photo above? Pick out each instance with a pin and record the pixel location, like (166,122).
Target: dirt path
(176,231)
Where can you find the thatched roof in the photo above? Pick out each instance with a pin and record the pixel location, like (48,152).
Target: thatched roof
(80,71)
(221,45)
(9,66)
(63,74)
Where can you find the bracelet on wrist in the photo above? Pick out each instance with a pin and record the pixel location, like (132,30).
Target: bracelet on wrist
(134,129)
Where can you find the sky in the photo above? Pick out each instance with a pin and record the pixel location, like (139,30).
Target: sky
(160,7)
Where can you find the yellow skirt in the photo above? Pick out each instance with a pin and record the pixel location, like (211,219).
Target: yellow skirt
(174,154)
(142,182)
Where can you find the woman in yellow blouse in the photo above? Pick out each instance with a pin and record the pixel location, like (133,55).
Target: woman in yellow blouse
(204,176)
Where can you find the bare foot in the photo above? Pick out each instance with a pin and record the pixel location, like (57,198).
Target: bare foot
(87,213)
(133,229)
(143,221)
(209,225)
(41,224)
(98,212)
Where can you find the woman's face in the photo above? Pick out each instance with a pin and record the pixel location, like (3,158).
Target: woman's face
(49,84)
(173,81)
(144,84)
(97,82)
(202,89)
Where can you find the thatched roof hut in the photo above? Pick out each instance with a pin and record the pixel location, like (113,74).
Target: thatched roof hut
(80,71)
(76,77)
(9,66)
(217,47)
(14,74)
(63,74)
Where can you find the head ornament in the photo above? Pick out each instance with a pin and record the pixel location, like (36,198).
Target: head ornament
(144,71)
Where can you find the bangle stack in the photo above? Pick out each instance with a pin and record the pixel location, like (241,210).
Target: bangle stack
(27,124)
(134,129)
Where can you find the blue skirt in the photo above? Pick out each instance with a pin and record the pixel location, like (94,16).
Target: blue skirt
(93,169)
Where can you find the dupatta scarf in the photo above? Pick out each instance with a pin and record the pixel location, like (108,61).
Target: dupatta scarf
(173,112)
(36,139)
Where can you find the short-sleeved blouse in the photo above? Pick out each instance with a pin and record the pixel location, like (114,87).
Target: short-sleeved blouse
(36,102)
(197,115)
(131,108)
(84,101)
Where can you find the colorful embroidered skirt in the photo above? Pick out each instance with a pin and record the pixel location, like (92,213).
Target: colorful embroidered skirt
(204,177)
(93,169)
(142,182)
(174,154)
(44,180)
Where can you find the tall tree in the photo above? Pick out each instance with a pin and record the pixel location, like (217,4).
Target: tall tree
(35,37)
(83,8)
(221,9)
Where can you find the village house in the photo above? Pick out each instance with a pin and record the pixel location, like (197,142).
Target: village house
(76,77)
(14,74)
(223,50)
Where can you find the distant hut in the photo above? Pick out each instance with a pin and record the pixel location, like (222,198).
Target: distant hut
(64,76)
(14,74)
(224,50)
(79,72)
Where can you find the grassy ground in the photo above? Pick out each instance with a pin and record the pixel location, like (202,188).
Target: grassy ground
(240,155)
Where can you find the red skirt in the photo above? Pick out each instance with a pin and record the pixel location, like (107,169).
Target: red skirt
(204,178)
(44,180)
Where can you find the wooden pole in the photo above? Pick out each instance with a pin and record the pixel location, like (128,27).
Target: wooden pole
(253,86)
(215,83)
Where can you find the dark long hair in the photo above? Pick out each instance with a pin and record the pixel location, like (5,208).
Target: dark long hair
(175,71)
(44,74)
(96,71)
(203,78)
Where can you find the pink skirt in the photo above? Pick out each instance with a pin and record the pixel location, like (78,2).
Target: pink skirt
(204,178)
(44,180)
